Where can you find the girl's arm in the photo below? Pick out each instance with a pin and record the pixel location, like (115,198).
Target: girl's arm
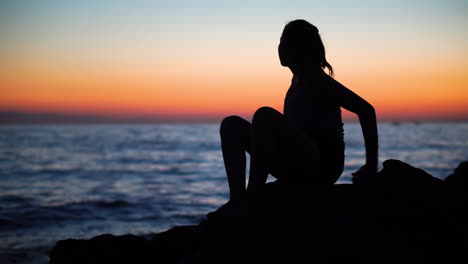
(366,113)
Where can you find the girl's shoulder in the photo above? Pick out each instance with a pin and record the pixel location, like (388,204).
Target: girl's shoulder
(334,85)
(322,84)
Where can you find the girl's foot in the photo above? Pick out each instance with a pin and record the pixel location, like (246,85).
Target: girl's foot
(230,211)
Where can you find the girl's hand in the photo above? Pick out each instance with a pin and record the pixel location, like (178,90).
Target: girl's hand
(364,173)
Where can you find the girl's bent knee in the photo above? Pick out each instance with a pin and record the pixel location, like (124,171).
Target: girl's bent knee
(265,113)
(265,110)
(231,123)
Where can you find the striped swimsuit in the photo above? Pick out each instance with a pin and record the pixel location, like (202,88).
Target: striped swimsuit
(313,107)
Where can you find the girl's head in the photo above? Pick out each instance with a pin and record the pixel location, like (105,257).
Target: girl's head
(301,47)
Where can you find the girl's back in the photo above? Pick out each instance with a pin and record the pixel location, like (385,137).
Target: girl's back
(312,104)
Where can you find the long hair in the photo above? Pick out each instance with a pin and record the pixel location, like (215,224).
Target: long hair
(304,45)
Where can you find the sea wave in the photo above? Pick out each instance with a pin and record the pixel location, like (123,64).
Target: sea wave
(61,181)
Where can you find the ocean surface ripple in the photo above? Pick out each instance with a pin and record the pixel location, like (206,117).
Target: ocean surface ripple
(62,181)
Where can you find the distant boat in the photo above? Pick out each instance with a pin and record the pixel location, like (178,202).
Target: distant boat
(396,123)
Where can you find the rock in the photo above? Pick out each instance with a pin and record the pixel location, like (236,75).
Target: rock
(102,249)
(166,247)
(457,182)
(405,216)
(457,190)
(402,215)
(177,244)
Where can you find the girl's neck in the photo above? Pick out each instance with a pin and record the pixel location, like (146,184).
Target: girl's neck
(305,70)
(305,73)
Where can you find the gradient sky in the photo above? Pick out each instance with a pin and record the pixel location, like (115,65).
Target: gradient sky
(207,59)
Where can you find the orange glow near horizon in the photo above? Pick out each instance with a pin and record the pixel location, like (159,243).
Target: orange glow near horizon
(395,95)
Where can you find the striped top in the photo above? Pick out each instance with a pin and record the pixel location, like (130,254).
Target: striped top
(313,106)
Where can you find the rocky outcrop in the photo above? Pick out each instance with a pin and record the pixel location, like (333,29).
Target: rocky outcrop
(402,215)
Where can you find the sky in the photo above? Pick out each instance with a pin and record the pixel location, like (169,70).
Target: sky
(202,60)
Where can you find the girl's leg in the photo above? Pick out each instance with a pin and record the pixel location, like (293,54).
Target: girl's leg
(281,149)
(235,141)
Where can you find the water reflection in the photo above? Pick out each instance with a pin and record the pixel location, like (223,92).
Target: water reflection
(80,181)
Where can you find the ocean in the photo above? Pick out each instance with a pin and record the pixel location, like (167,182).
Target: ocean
(79,181)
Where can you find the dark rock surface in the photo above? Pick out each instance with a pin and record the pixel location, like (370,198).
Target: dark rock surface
(402,215)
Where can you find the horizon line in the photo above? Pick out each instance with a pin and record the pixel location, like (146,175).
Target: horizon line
(23,117)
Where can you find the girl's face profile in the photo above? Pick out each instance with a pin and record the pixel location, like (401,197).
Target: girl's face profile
(282,52)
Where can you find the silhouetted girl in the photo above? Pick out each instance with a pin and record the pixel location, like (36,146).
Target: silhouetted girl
(304,145)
